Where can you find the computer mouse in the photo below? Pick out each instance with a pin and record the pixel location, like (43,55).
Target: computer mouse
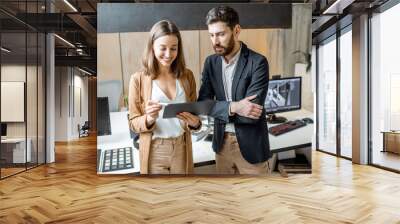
(308,120)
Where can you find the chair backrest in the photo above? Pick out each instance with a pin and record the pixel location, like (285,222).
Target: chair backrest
(86,125)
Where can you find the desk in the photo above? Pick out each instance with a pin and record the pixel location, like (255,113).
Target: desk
(391,141)
(119,138)
(298,140)
(13,150)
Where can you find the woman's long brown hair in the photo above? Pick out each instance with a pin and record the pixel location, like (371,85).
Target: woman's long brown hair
(149,61)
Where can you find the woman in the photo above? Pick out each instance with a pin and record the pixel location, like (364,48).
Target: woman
(165,144)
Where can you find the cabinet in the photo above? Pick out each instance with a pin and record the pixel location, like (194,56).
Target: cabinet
(391,141)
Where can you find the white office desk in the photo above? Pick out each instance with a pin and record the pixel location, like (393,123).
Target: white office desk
(202,150)
(119,138)
(18,150)
(295,139)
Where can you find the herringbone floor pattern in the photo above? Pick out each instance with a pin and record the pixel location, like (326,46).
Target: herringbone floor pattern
(69,191)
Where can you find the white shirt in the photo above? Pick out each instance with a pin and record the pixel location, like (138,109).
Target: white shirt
(228,72)
(171,127)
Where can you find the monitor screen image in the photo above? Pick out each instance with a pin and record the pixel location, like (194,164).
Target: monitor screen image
(283,95)
(3,129)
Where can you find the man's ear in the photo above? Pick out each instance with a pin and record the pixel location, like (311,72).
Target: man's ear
(236,30)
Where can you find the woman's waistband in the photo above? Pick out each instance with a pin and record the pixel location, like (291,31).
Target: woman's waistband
(173,140)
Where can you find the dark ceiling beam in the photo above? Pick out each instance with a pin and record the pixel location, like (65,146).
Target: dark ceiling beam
(140,17)
(15,18)
(63,7)
(49,22)
(84,61)
(91,5)
(86,26)
(337,7)
(327,32)
(320,22)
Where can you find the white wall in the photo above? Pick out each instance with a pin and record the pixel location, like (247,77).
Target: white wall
(62,81)
(33,126)
(80,83)
(69,82)
(17,73)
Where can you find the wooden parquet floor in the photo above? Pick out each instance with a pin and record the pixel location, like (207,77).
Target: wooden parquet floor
(69,191)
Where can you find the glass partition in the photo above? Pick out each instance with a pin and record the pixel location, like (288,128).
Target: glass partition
(13,95)
(22,88)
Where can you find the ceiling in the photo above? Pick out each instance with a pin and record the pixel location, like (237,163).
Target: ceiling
(76,21)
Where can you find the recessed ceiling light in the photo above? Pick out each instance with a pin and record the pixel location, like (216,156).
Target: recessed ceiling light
(84,71)
(65,41)
(70,5)
(5,50)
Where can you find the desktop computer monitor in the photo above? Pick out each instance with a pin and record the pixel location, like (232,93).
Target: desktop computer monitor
(3,130)
(103,117)
(283,95)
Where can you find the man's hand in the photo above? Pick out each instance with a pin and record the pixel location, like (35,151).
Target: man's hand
(246,108)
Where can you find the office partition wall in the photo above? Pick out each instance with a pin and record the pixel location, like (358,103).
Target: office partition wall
(22,79)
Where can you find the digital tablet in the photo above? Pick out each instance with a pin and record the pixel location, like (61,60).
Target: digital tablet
(196,108)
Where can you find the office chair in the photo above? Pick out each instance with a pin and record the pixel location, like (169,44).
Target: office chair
(84,130)
(134,136)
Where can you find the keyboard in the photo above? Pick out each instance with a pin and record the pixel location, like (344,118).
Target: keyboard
(286,127)
(117,159)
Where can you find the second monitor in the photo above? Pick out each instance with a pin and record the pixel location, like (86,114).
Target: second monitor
(283,95)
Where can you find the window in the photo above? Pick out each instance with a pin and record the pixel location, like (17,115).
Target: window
(346,93)
(327,96)
(385,84)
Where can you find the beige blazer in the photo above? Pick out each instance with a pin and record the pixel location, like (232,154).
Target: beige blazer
(140,87)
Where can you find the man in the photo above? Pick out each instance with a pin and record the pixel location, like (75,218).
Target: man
(237,78)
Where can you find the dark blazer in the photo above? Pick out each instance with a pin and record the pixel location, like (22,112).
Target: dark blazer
(250,78)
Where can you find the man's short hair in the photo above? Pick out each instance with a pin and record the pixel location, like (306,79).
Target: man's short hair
(224,14)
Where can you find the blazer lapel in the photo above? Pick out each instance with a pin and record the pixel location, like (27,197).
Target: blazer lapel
(147,88)
(239,70)
(218,76)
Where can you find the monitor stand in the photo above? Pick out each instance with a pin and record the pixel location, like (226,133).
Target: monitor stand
(273,119)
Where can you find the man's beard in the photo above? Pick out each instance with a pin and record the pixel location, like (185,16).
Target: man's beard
(226,49)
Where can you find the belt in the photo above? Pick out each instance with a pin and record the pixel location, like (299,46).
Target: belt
(179,139)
